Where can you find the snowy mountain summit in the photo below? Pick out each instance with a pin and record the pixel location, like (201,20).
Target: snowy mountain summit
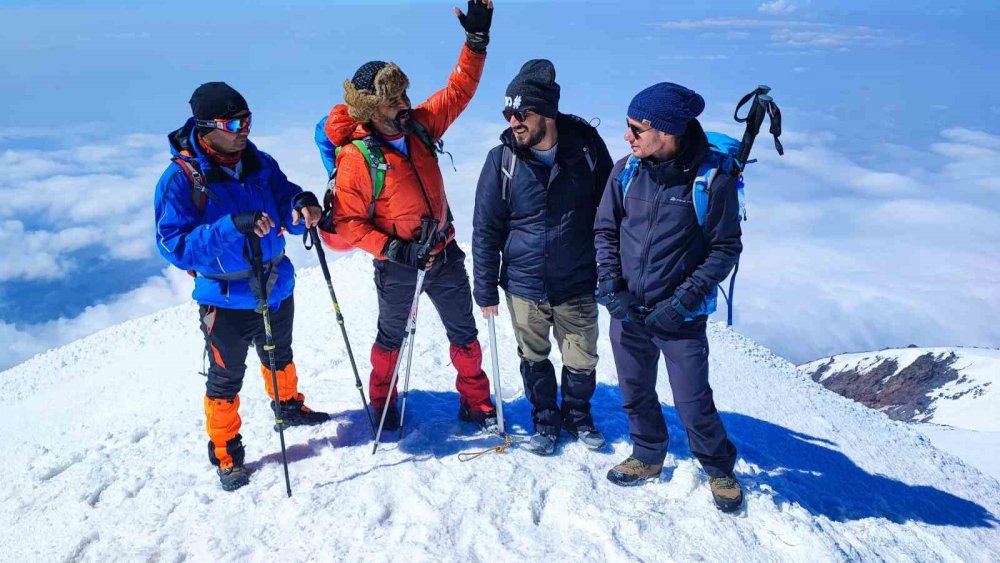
(957,387)
(103,447)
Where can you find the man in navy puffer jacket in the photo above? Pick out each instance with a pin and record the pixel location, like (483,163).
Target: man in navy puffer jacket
(535,239)
(657,269)
(244,195)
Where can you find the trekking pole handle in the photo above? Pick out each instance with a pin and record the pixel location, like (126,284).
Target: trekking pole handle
(311,240)
(428,228)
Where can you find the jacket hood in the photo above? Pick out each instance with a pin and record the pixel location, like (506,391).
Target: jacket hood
(181,140)
(341,128)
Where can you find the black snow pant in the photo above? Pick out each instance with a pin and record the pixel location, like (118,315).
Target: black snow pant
(636,349)
(229,333)
(447,285)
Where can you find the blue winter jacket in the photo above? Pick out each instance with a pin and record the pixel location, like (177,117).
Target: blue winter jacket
(651,237)
(539,244)
(206,241)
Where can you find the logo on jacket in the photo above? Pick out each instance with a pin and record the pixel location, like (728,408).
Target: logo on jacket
(512,103)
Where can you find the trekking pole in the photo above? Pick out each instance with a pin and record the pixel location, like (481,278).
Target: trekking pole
(395,371)
(256,262)
(311,239)
(428,229)
(761,106)
(497,388)
(411,327)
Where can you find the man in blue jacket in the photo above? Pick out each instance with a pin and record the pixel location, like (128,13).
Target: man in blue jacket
(658,270)
(533,235)
(218,191)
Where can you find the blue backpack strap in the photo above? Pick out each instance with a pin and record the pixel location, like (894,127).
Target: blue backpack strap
(627,174)
(700,193)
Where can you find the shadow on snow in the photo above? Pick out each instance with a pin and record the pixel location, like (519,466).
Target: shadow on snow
(792,468)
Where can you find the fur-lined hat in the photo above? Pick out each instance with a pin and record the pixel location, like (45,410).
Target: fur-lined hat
(374,82)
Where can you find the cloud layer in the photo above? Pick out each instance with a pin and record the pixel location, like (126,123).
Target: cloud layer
(841,253)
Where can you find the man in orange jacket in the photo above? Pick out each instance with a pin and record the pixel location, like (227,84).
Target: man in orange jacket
(378,113)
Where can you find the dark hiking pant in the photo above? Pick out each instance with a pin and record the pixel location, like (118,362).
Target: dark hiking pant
(637,349)
(447,286)
(229,333)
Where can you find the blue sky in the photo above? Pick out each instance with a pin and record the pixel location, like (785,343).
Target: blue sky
(878,228)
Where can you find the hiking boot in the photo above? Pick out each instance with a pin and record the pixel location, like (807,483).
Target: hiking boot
(487,420)
(233,477)
(295,413)
(632,472)
(391,418)
(588,435)
(726,492)
(540,444)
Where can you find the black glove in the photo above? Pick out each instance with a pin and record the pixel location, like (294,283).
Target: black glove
(620,302)
(412,254)
(245,221)
(305,199)
(476,21)
(664,317)
(672,313)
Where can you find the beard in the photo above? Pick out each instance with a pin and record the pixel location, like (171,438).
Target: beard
(531,138)
(403,122)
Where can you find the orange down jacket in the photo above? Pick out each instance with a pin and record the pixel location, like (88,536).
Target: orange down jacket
(413,187)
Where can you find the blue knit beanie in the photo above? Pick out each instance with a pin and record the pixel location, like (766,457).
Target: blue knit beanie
(666,107)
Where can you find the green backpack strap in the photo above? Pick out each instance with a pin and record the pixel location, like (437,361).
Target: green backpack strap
(376,169)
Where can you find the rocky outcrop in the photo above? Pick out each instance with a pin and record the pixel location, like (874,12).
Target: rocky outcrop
(902,394)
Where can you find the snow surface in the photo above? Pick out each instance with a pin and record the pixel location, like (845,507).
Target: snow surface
(977,448)
(104,458)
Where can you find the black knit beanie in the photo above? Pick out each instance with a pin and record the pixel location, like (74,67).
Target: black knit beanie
(534,88)
(216,100)
(364,77)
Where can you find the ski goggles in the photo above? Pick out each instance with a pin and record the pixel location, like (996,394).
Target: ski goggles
(520,114)
(232,125)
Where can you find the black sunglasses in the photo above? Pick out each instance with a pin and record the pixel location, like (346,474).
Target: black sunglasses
(520,115)
(635,130)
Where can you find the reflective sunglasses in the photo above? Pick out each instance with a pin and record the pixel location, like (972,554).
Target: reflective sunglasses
(635,130)
(233,125)
(520,115)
